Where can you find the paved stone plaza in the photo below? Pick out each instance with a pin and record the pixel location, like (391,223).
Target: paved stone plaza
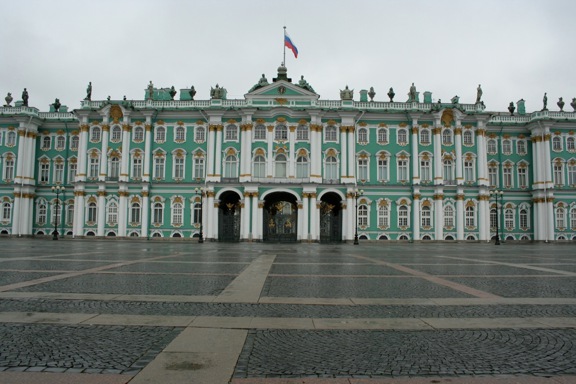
(89,311)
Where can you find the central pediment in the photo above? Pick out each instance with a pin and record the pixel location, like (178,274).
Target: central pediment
(281,89)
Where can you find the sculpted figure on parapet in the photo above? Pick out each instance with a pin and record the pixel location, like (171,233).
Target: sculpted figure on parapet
(304,84)
(478,94)
(346,94)
(88,92)
(412,93)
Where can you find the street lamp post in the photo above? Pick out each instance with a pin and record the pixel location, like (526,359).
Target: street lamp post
(357,194)
(200,192)
(56,189)
(497,193)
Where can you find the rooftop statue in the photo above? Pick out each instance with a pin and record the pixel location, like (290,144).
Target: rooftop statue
(88,92)
(261,83)
(412,94)
(56,104)
(573,104)
(545,102)
(304,84)
(391,94)
(217,92)
(455,99)
(172,93)
(511,108)
(25,98)
(192,92)
(478,94)
(560,104)
(371,94)
(8,99)
(150,91)
(346,94)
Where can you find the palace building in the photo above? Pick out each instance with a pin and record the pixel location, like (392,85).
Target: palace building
(282,165)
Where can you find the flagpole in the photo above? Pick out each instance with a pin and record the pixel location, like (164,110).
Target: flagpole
(284,45)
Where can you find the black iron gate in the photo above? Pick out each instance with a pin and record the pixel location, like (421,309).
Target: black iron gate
(330,224)
(229,223)
(280,222)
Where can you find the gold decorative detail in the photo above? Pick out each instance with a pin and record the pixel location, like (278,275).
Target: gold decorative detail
(416,196)
(116,113)
(447,117)
(281,100)
(160,122)
(200,122)
(230,151)
(331,152)
(281,119)
(460,196)
(470,203)
(331,122)
(302,122)
(126,127)
(438,196)
(246,127)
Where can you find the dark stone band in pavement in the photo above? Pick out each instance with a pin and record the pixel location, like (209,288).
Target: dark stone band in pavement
(370,354)
(118,307)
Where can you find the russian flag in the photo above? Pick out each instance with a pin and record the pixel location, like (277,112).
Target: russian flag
(288,43)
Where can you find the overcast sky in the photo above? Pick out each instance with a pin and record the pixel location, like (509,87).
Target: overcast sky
(514,48)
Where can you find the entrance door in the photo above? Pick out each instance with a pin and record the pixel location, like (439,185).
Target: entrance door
(280,222)
(229,215)
(330,224)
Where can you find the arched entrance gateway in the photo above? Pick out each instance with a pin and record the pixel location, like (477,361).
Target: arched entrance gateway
(330,218)
(280,224)
(229,214)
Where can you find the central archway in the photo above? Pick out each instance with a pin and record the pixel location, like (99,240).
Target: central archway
(229,214)
(330,218)
(280,224)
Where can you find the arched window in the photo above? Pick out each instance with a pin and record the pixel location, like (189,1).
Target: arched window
(330,133)
(560,217)
(94,168)
(158,214)
(447,137)
(492,148)
(6,211)
(383,216)
(507,146)
(470,216)
(424,136)
(425,170)
(135,212)
(70,214)
(160,134)
(402,164)
(180,135)
(95,135)
(383,170)
(573,218)
(448,172)
(521,147)
(363,215)
(41,214)
(177,214)
(448,216)
(281,132)
(74,142)
(259,167)
(426,216)
(570,145)
(91,216)
(403,216)
(138,134)
(402,136)
(467,137)
(558,172)
(60,142)
(260,132)
(136,166)
(200,134)
(230,166)
(362,135)
(363,169)
(11,139)
(231,133)
(114,170)
(46,142)
(493,218)
(280,165)
(556,143)
(302,167)
(469,176)
(112,213)
(116,135)
(197,214)
(508,218)
(382,135)
(199,166)
(302,132)
(8,168)
(523,218)
(331,168)
(159,166)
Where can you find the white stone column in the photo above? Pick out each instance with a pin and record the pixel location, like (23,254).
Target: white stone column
(101,212)
(208,213)
(300,234)
(344,154)
(483,224)
(350,215)
(147,154)
(535,161)
(218,153)
(292,152)
(305,216)
(270,152)
(344,211)
(549,207)
(122,222)
(22,157)
(416,215)
(16,219)
(313,217)
(437,137)
(482,162)
(245,224)
(145,210)
(79,209)
(415,158)
(458,145)
(460,214)
(547,163)
(255,230)
(104,153)
(439,214)
(82,150)
(245,140)
(260,219)
(351,156)
(210,151)
(124,174)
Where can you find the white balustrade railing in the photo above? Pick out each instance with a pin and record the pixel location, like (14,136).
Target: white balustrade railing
(57,115)
(19,110)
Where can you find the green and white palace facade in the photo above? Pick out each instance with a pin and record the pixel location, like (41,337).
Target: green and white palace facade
(281,164)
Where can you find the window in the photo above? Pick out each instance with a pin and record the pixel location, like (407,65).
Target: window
(60,142)
(509,218)
(44,171)
(8,168)
(506,147)
(281,133)
(424,136)
(179,167)
(302,132)
(177,214)
(95,135)
(46,143)
(6,211)
(493,218)
(470,216)
(469,171)
(521,147)
(558,173)
(382,169)
(363,169)
(402,170)
(560,217)
(522,177)
(571,173)
(114,170)
(58,172)
(573,218)
(230,166)
(11,139)
(448,172)
(138,134)
(363,215)
(72,169)
(135,213)
(403,216)
(425,172)
(448,216)
(447,137)
(280,165)
(116,134)
(159,167)
(302,167)
(556,143)
(362,135)
(402,136)
(180,135)
(41,213)
(91,216)
(136,167)
(425,217)
(160,134)
(383,216)
(74,143)
(382,136)
(70,214)
(331,165)
(493,175)
(200,134)
(507,176)
(260,132)
(56,213)
(491,147)
(231,133)
(112,216)
(259,166)
(467,138)
(330,133)
(570,145)
(158,214)
(523,218)
(199,167)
